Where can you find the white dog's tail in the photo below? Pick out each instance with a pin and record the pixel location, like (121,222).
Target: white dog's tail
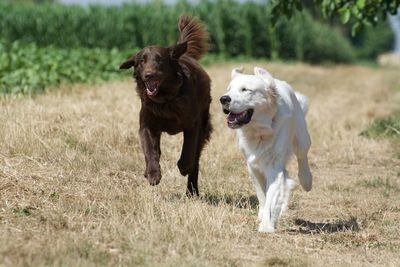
(303,101)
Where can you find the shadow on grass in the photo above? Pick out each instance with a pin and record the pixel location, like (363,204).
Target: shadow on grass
(308,227)
(243,202)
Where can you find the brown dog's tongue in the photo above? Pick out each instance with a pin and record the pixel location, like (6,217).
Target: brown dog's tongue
(151,87)
(154,85)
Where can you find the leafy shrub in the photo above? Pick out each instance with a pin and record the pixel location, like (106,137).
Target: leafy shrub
(304,39)
(372,41)
(30,69)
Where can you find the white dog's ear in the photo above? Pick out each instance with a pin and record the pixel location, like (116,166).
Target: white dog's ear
(236,71)
(265,75)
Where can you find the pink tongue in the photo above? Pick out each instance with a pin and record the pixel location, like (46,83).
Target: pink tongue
(152,86)
(232,116)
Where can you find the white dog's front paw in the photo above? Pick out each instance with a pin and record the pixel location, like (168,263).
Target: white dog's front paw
(260,215)
(266,228)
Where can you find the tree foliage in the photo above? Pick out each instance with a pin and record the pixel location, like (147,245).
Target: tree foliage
(357,12)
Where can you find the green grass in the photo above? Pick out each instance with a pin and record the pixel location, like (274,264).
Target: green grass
(23,211)
(388,127)
(385,127)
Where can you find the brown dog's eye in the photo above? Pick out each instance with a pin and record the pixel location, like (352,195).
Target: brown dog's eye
(141,60)
(158,59)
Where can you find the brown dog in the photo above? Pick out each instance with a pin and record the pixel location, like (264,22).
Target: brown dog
(175,96)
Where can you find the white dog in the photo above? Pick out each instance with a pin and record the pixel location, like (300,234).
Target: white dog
(269,118)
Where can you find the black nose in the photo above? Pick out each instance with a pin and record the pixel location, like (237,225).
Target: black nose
(225,99)
(149,75)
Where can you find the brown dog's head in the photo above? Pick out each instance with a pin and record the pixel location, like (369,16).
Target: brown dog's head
(157,71)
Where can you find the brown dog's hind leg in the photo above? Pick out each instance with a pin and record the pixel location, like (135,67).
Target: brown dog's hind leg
(151,148)
(204,135)
(186,162)
(192,186)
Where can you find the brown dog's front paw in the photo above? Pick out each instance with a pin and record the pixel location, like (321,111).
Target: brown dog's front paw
(192,192)
(154,180)
(184,167)
(154,177)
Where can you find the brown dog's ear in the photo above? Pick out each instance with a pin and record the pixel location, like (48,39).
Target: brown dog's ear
(176,51)
(129,63)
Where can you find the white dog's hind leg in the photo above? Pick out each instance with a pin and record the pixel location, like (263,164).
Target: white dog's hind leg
(301,145)
(289,185)
(302,142)
(260,186)
(304,174)
(276,200)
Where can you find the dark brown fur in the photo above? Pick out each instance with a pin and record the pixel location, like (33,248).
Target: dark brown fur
(179,102)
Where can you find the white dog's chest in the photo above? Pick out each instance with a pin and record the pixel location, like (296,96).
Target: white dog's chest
(258,150)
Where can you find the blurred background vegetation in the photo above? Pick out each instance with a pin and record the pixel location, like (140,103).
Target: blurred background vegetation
(44,43)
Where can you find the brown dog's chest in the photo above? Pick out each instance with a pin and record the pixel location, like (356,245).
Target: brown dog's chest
(172,117)
(171,126)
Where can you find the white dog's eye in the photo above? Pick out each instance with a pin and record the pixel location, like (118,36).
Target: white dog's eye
(244,90)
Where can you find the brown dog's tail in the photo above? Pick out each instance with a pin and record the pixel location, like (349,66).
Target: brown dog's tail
(195,34)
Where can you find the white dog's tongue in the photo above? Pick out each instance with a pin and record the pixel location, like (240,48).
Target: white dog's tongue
(236,116)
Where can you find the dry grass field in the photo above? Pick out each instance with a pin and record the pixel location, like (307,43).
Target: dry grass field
(72,191)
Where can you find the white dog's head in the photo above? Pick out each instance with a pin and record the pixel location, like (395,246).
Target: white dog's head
(248,96)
